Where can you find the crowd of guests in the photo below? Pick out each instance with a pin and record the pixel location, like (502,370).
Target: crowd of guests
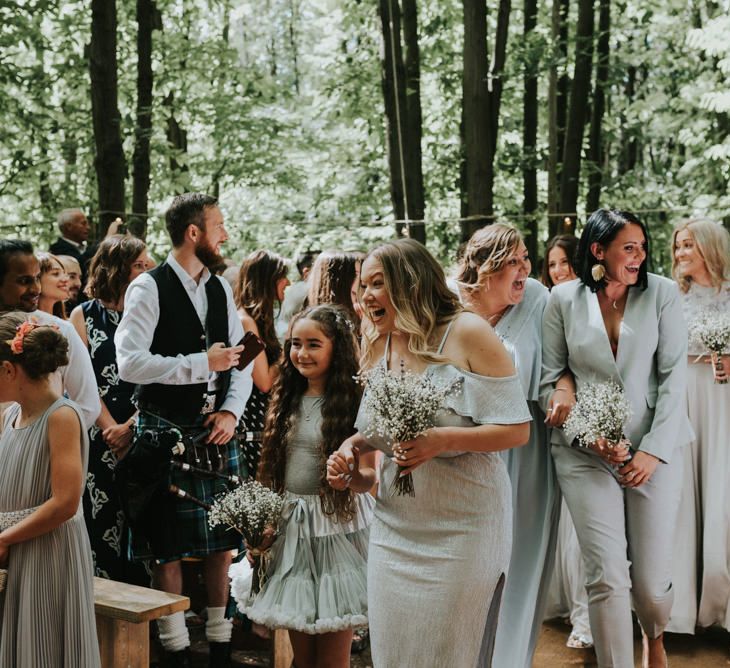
(511,522)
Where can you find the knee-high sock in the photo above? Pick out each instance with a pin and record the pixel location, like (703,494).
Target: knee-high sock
(218,628)
(174,635)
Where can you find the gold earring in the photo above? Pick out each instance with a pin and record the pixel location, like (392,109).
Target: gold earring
(598,271)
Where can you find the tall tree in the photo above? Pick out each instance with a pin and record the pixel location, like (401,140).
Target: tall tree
(558,85)
(529,129)
(482,95)
(576,118)
(109,163)
(401,94)
(147,20)
(596,153)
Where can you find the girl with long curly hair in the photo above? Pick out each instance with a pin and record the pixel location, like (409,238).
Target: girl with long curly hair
(261,284)
(316,584)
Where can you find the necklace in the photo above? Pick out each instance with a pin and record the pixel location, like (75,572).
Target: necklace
(496,317)
(308,415)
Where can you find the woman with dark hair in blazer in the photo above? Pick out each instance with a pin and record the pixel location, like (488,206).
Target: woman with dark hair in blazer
(619,323)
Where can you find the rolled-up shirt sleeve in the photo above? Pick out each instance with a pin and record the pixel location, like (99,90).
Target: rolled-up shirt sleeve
(134,338)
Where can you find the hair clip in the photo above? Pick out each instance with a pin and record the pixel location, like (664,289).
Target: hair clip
(16,343)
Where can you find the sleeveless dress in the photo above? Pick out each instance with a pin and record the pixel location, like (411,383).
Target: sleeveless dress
(437,561)
(47,609)
(316,582)
(535,492)
(701,569)
(105,522)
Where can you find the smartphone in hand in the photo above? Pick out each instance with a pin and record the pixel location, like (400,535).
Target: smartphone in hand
(252,346)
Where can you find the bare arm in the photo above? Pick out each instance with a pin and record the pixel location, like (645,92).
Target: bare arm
(263,373)
(64,440)
(343,466)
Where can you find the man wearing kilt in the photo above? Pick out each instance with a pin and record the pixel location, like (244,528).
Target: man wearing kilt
(177,341)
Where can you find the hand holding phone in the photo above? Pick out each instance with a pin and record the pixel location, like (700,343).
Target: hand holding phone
(252,346)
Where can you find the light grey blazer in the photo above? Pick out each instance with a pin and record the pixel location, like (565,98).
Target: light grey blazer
(651,362)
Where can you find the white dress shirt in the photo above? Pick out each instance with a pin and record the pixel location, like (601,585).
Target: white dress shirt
(137,328)
(77,379)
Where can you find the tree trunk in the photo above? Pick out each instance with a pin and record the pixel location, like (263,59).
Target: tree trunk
(596,153)
(576,118)
(177,141)
(109,161)
(627,160)
(477,204)
(396,108)
(557,105)
(414,125)
(147,19)
(529,133)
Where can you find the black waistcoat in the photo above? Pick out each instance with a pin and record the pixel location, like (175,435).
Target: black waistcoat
(179,331)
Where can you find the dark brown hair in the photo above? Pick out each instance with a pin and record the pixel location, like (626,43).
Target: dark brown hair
(569,244)
(111,266)
(339,407)
(255,293)
(330,282)
(44,348)
(187,209)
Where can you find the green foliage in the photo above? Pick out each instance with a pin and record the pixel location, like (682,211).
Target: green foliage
(281,104)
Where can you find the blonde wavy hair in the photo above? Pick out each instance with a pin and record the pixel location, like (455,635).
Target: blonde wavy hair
(422,301)
(486,254)
(713,244)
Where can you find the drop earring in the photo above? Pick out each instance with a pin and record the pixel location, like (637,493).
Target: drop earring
(598,271)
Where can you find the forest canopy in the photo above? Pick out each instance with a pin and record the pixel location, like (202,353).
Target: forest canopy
(322,123)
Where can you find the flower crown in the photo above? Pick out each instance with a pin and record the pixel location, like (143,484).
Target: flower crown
(16,343)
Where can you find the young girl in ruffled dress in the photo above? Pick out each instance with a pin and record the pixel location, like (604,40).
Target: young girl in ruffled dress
(47,607)
(316,581)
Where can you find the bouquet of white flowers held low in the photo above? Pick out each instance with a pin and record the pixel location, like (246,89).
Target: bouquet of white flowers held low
(400,407)
(254,511)
(601,411)
(713,329)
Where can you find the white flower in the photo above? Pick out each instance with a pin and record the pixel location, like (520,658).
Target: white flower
(713,329)
(601,411)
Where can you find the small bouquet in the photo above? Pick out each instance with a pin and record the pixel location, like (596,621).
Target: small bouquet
(601,411)
(713,329)
(3,578)
(254,511)
(401,406)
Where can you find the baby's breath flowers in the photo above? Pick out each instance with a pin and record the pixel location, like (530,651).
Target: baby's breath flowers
(713,329)
(251,509)
(601,411)
(400,407)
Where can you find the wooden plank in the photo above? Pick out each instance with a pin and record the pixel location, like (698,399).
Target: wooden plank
(283,654)
(123,644)
(118,600)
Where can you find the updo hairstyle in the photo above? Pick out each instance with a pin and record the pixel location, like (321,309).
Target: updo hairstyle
(44,348)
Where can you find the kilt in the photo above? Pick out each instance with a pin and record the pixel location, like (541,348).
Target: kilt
(189,534)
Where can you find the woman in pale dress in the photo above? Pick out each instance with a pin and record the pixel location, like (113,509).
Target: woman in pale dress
(567,594)
(701,267)
(436,562)
(47,608)
(493,280)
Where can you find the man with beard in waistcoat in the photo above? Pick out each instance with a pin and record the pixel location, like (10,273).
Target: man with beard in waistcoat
(178,342)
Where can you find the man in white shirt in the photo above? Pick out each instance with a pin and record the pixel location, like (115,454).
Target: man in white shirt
(20,288)
(178,342)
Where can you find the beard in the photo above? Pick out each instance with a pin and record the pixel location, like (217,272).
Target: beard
(207,254)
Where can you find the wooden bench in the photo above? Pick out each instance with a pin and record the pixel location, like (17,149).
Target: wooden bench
(123,614)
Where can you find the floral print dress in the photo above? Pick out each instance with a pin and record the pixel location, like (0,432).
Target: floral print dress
(108,531)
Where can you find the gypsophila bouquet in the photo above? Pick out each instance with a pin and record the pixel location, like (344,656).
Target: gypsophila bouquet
(401,406)
(3,578)
(601,411)
(254,511)
(713,329)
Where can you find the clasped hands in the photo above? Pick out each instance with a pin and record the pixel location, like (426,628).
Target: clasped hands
(634,471)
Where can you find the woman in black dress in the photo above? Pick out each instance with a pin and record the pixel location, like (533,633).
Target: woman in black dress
(118,260)
(261,283)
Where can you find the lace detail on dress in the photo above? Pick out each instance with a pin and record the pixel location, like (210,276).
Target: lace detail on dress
(698,300)
(12,517)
